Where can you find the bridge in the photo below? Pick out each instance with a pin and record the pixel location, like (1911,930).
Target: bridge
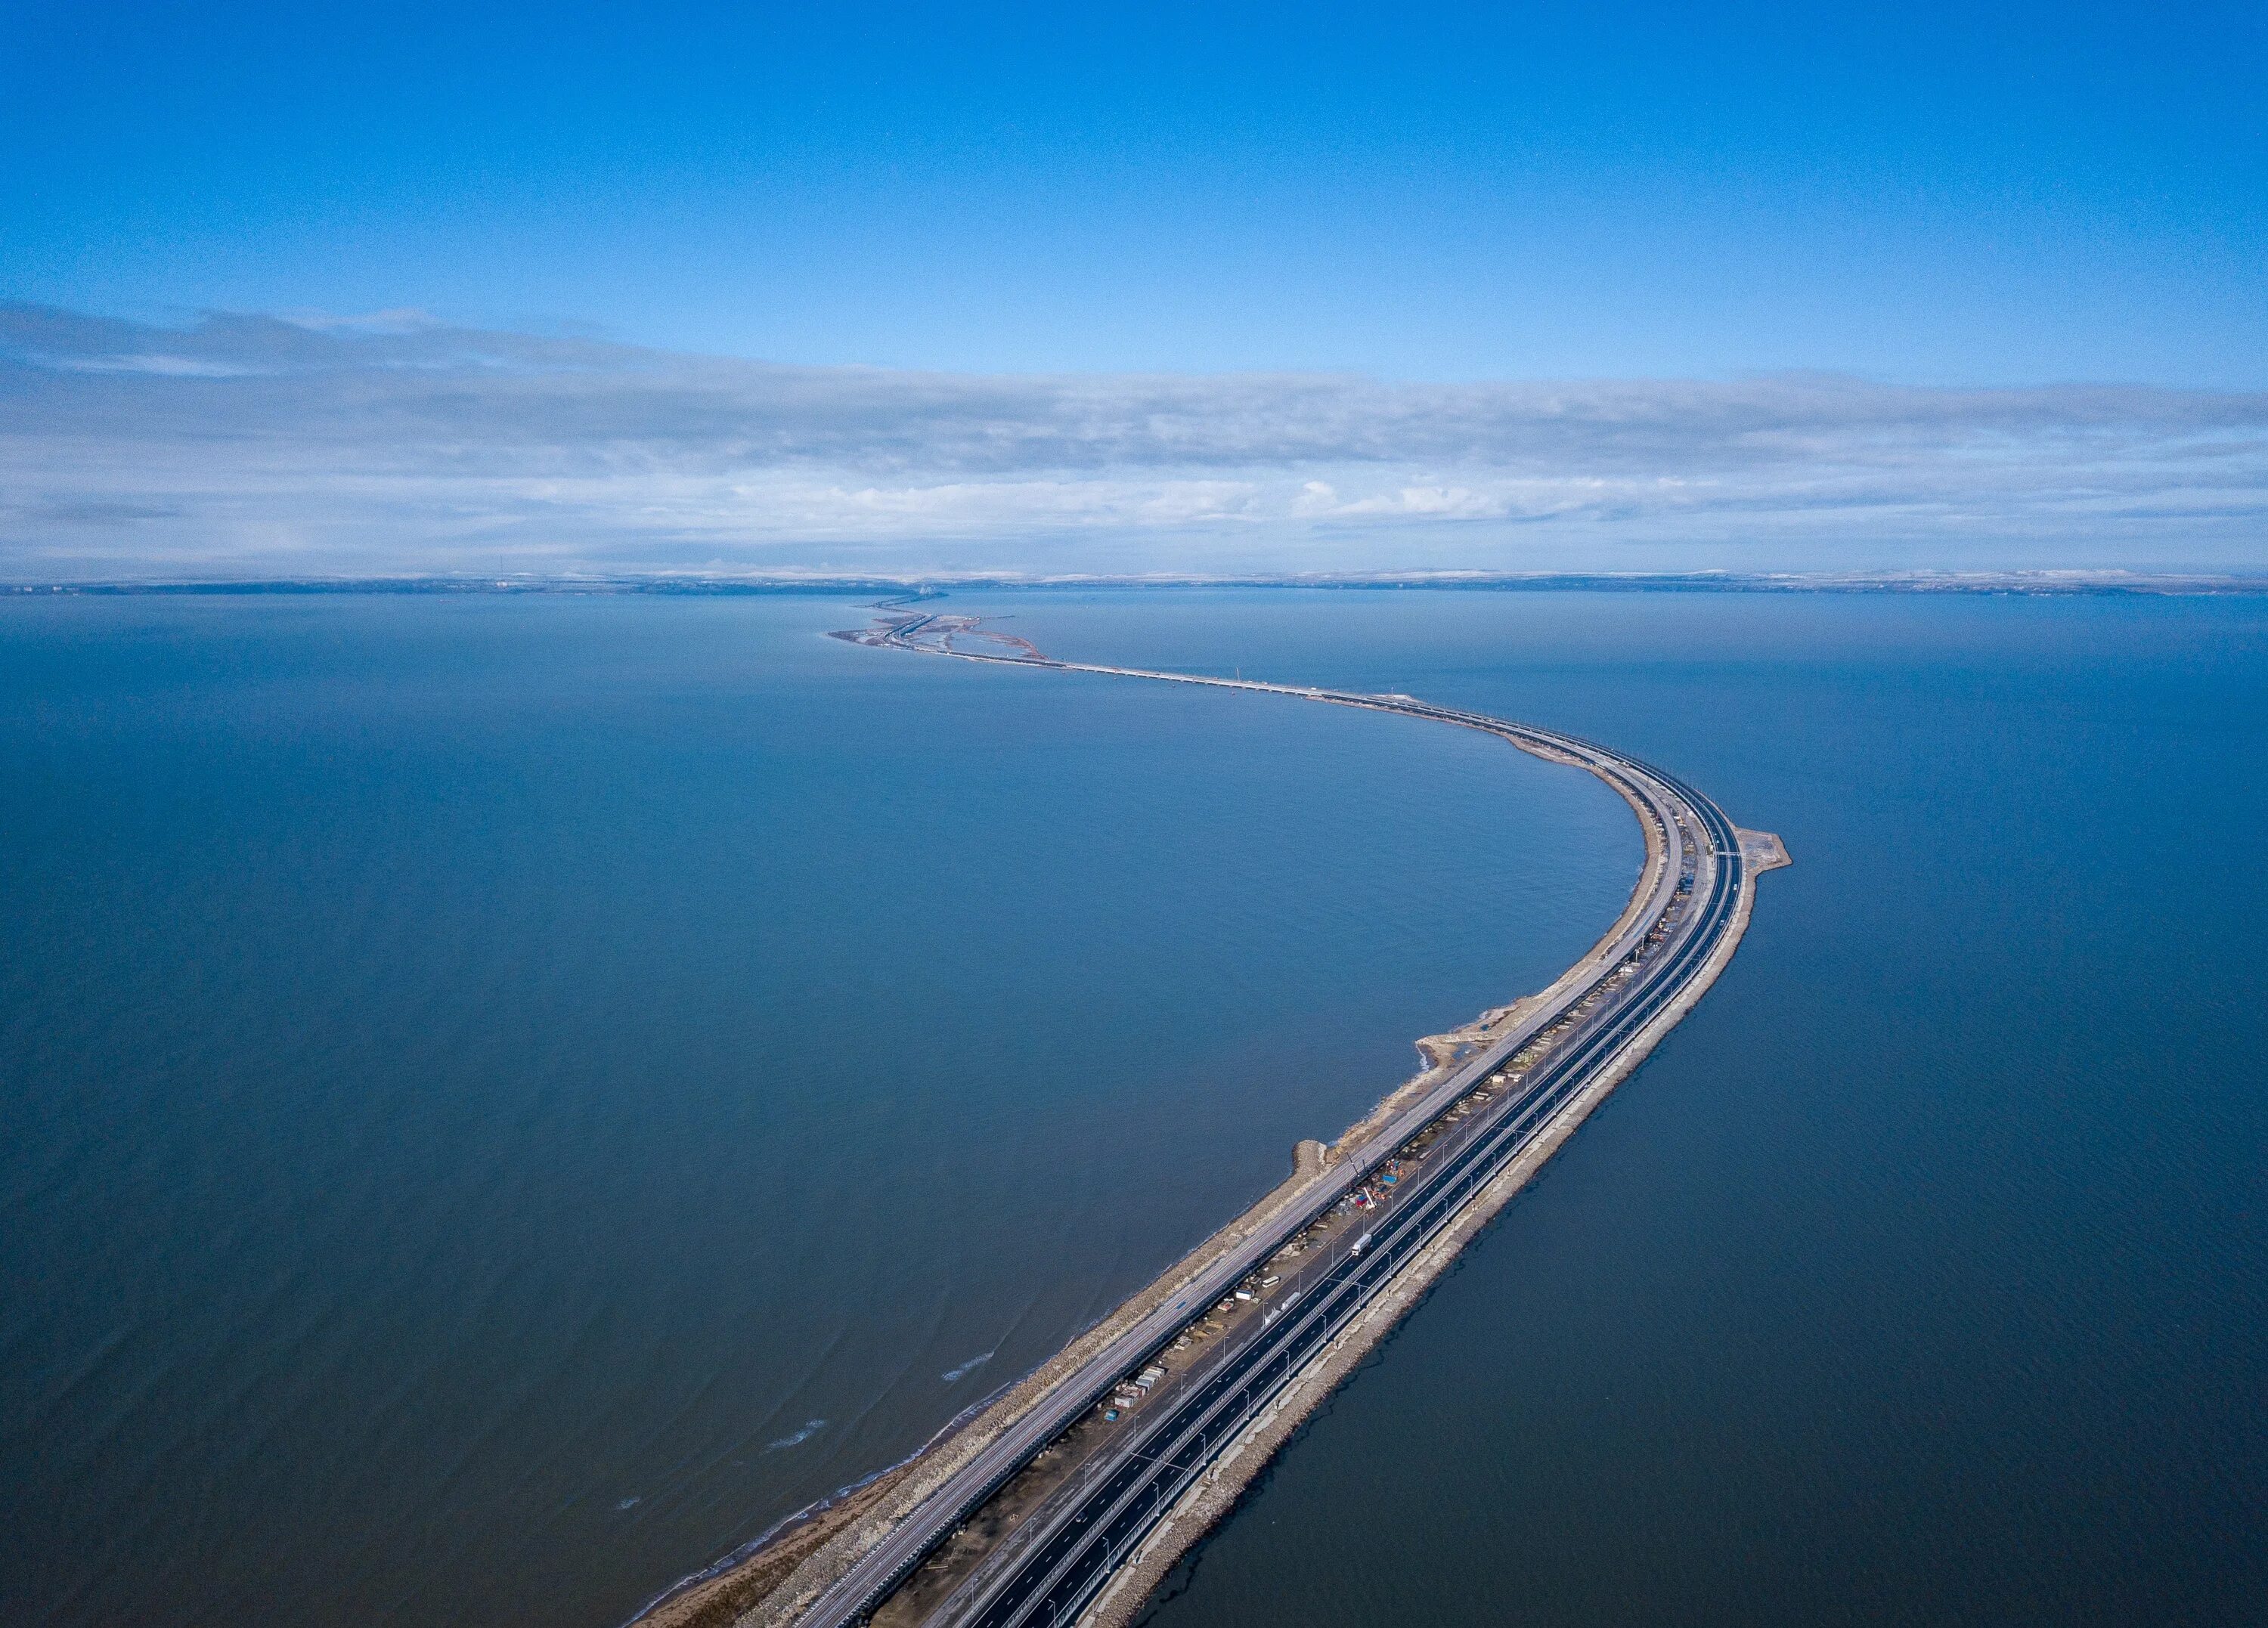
(1078,1483)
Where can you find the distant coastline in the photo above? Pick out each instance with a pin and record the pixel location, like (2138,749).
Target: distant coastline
(2027,583)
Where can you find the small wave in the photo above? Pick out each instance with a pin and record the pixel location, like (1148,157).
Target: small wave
(630,1503)
(811,1428)
(951,1374)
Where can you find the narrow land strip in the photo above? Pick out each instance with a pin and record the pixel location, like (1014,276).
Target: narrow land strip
(802,1571)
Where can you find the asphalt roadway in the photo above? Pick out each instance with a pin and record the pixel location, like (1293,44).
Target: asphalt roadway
(1066,1549)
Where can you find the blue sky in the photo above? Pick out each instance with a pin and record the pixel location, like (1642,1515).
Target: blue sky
(2048,193)
(1415,195)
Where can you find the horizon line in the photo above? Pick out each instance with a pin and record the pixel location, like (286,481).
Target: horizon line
(2034,582)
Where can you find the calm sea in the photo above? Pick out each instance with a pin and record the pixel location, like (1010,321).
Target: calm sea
(504,1098)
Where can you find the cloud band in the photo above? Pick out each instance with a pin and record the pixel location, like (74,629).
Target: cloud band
(262,445)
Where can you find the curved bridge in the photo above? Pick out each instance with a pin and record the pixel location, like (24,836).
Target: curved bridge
(1253,1321)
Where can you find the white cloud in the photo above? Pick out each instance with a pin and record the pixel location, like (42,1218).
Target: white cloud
(163,366)
(395,443)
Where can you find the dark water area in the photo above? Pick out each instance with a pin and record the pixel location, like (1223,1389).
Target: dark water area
(504,1099)
(1922,1275)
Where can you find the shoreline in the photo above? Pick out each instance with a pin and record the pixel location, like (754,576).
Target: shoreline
(2014,582)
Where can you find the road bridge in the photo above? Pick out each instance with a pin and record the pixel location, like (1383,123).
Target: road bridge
(1351,1237)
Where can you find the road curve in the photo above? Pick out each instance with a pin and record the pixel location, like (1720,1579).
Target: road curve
(1052,1565)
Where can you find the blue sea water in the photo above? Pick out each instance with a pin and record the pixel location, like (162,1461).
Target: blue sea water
(506,1098)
